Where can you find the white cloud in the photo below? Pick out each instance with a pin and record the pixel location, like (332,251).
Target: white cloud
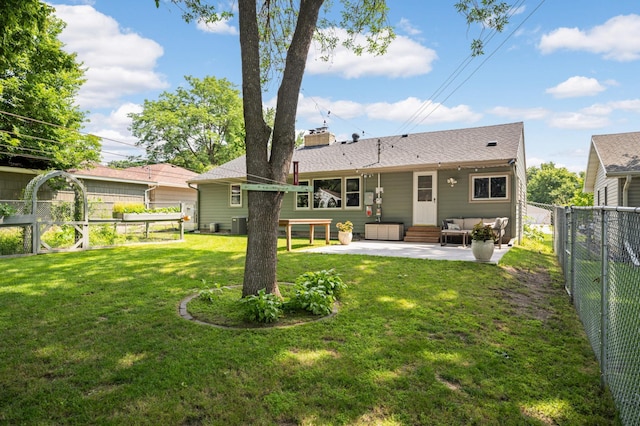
(118,142)
(520,113)
(219,27)
(118,62)
(632,105)
(411,111)
(406,26)
(318,108)
(420,112)
(404,58)
(617,39)
(576,87)
(578,120)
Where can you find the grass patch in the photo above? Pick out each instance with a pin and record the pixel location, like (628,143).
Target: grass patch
(94,337)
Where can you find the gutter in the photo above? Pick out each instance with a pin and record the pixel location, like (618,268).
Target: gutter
(625,191)
(197,204)
(146,195)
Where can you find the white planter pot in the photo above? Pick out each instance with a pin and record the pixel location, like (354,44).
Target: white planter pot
(345,237)
(482,250)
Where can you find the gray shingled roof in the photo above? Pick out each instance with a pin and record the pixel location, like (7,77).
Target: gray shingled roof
(449,148)
(619,153)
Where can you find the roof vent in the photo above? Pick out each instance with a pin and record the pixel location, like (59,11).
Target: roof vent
(355,137)
(492,143)
(405,135)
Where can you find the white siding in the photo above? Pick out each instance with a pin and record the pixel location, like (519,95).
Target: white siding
(611,185)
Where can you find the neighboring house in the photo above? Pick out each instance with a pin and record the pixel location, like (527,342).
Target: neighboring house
(613,170)
(156,185)
(419,179)
(13,181)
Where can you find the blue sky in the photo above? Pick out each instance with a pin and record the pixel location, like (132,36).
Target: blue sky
(567,69)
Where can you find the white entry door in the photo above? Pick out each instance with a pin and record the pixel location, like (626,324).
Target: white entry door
(425,208)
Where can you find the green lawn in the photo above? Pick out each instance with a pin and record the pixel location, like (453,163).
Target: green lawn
(95,338)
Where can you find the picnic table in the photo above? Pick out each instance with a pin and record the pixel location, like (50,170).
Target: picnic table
(288,224)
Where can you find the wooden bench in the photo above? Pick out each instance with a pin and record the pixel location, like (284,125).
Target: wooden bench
(288,223)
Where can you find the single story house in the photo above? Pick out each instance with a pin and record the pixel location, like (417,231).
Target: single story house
(156,185)
(613,170)
(412,179)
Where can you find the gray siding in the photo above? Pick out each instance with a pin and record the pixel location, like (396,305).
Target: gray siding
(455,202)
(611,184)
(214,206)
(12,185)
(634,192)
(114,191)
(396,204)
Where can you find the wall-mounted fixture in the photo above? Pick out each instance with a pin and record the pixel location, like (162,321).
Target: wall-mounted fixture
(451,181)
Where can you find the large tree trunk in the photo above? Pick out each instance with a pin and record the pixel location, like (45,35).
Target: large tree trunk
(264,167)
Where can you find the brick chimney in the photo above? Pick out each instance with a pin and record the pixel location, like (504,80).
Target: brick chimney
(318,137)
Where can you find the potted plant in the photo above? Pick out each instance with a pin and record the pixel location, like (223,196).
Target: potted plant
(345,232)
(482,242)
(6,210)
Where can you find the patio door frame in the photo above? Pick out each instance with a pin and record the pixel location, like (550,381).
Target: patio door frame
(425,212)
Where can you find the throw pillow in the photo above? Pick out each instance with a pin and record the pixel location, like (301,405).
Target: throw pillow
(454,227)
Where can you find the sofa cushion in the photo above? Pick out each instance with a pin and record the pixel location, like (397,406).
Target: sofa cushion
(470,222)
(459,222)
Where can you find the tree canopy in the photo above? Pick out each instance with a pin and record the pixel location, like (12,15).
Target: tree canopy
(39,121)
(195,127)
(549,184)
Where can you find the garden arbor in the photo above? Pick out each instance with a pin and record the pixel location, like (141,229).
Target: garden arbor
(41,217)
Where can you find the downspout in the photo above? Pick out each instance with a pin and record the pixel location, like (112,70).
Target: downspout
(146,196)
(625,191)
(197,204)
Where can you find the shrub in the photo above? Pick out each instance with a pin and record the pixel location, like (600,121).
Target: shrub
(7,210)
(532,233)
(316,292)
(210,294)
(263,307)
(329,280)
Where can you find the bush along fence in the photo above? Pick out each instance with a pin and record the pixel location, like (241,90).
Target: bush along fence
(599,250)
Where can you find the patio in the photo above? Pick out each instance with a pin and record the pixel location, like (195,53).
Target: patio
(412,250)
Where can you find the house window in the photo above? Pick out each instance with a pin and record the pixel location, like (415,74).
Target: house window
(235,196)
(352,192)
(327,193)
(302,198)
(425,188)
(489,188)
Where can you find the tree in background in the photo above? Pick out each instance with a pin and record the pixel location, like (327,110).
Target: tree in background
(196,127)
(553,185)
(38,86)
(274,42)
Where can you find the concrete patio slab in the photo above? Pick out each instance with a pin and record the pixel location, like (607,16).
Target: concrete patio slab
(411,250)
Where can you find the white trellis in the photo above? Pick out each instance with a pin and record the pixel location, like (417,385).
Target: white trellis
(80,213)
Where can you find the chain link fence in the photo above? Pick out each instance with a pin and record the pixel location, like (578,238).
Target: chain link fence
(599,250)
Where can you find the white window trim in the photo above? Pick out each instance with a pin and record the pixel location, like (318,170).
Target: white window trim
(309,196)
(472,177)
(231,204)
(344,191)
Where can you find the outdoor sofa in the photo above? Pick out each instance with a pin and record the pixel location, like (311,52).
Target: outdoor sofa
(463,227)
